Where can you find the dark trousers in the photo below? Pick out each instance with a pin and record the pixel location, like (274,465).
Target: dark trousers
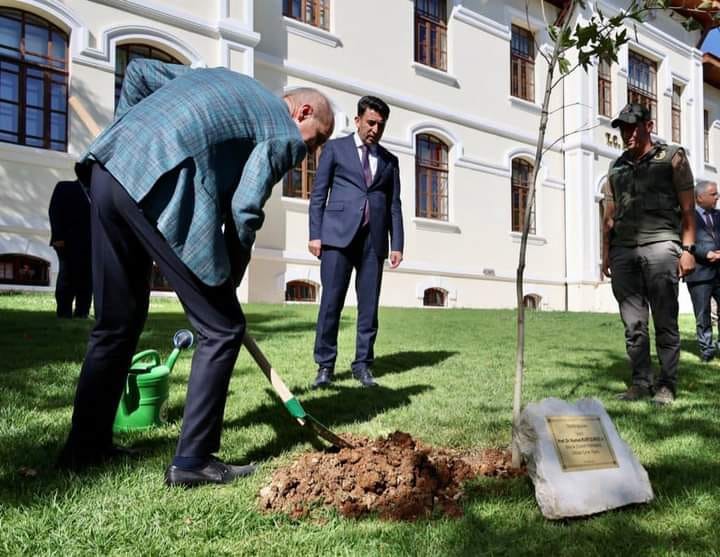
(74,282)
(645,278)
(124,244)
(336,266)
(701,293)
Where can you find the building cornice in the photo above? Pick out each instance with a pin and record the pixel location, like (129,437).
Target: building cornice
(479,21)
(408,267)
(301,29)
(164,14)
(35,156)
(396,98)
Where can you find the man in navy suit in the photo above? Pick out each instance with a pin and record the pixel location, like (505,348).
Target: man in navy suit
(355,204)
(703,283)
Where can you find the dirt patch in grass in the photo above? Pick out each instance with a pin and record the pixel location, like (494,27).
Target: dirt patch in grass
(396,478)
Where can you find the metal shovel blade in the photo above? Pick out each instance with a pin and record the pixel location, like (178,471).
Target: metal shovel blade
(291,403)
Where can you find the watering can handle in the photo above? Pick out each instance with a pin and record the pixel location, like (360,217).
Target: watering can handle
(146,354)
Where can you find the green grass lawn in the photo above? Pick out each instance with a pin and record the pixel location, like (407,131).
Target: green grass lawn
(446,378)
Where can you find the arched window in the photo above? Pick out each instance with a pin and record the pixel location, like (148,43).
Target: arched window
(33,81)
(520,190)
(532,301)
(431,178)
(125,53)
(435,297)
(300,291)
(300,180)
(24,269)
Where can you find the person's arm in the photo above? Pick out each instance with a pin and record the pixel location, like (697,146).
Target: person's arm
(702,253)
(239,258)
(608,223)
(142,79)
(318,198)
(683,182)
(266,165)
(397,233)
(686,199)
(57,212)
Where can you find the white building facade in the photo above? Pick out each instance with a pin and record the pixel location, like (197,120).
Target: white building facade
(464,80)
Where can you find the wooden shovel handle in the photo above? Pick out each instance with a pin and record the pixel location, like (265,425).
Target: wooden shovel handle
(277,383)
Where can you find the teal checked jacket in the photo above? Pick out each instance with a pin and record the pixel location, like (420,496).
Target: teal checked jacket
(199,150)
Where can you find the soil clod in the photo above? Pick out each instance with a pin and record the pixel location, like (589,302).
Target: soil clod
(397,478)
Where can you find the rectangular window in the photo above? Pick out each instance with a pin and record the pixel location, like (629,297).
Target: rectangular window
(706,129)
(312,12)
(676,114)
(431,33)
(604,90)
(522,64)
(642,82)
(6,271)
(300,180)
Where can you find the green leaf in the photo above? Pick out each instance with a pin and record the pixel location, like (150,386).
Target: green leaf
(564,65)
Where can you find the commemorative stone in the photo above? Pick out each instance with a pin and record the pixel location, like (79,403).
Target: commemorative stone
(577,461)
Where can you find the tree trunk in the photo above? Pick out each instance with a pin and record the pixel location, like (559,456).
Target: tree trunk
(520,350)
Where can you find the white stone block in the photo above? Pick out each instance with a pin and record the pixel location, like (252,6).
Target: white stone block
(577,461)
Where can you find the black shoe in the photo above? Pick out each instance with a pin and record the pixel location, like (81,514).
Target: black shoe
(325,376)
(214,472)
(77,459)
(365,377)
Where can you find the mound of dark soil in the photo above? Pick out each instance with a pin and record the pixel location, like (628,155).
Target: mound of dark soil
(397,478)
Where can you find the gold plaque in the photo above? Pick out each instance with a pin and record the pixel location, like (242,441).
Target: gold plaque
(581,443)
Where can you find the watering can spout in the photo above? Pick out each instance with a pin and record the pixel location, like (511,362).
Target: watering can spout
(181,339)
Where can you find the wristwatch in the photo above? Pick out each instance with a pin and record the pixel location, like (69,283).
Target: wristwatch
(690,248)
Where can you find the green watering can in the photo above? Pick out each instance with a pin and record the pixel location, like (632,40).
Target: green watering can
(144,401)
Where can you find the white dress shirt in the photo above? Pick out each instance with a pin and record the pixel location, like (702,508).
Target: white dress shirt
(372,154)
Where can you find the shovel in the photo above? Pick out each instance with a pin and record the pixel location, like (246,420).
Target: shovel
(291,403)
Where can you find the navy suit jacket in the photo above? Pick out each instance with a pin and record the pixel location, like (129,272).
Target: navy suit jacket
(704,242)
(69,213)
(339,194)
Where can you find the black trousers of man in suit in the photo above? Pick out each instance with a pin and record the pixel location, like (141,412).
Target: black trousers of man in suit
(336,266)
(74,282)
(124,245)
(701,293)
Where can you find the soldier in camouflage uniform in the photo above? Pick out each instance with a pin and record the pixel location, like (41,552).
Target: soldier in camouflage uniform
(649,233)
